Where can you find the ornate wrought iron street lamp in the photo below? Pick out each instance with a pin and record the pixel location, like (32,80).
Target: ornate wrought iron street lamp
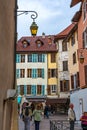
(33,27)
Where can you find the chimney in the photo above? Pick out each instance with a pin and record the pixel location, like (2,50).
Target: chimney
(43,35)
(49,40)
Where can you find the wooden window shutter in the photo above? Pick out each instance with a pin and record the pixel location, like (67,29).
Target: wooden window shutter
(61,86)
(72,81)
(77,80)
(49,73)
(85,69)
(48,90)
(56,73)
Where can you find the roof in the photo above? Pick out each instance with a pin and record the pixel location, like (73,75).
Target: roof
(65,32)
(71,33)
(47,44)
(74,2)
(77,16)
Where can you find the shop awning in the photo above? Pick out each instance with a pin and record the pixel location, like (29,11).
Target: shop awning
(57,101)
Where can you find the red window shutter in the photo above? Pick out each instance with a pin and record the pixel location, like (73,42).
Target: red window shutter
(49,90)
(85,70)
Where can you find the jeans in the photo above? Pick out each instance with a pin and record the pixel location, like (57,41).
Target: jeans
(37,124)
(71,125)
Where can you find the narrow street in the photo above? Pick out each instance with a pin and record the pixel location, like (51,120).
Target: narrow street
(45,123)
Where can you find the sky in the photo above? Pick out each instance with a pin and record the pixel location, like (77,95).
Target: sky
(53,16)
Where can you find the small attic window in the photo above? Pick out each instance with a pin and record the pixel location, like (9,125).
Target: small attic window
(25,43)
(39,43)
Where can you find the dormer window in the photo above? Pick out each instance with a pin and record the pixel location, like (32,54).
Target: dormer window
(39,43)
(25,43)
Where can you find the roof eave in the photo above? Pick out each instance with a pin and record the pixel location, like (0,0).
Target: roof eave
(74,2)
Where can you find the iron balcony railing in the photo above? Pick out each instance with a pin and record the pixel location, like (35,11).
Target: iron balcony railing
(63,125)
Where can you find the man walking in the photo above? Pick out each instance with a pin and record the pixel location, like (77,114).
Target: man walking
(71,116)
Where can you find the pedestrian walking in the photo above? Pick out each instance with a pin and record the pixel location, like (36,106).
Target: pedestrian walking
(83,120)
(46,111)
(71,116)
(26,117)
(37,117)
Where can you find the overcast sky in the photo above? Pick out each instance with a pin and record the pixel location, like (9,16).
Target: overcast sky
(53,16)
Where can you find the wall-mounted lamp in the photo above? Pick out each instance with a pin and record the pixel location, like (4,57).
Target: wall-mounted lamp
(80,55)
(81,58)
(33,27)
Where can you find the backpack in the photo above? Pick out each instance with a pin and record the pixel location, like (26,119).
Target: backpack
(26,111)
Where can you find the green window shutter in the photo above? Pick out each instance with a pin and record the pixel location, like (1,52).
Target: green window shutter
(33,90)
(43,90)
(25,89)
(18,89)
(43,57)
(42,73)
(17,73)
(18,58)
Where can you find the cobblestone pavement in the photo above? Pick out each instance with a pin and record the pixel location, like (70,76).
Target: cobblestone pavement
(45,123)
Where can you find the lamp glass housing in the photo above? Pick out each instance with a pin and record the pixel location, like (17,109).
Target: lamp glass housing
(33,29)
(81,59)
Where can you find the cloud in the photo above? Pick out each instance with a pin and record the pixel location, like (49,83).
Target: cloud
(53,15)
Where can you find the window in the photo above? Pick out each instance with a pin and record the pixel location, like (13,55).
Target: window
(65,65)
(85,38)
(22,73)
(22,58)
(38,89)
(53,88)
(84,9)
(39,72)
(64,86)
(75,81)
(64,46)
(74,58)
(29,73)
(53,57)
(73,39)
(52,73)
(21,89)
(28,89)
(29,57)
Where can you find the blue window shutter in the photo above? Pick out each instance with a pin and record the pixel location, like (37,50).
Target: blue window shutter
(32,73)
(35,73)
(32,57)
(43,90)
(33,90)
(42,73)
(18,89)
(17,73)
(25,89)
(43,57)
(18,58)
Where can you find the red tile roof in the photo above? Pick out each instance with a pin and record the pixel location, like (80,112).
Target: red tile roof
(74,2)
(32,46)
(65,32)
